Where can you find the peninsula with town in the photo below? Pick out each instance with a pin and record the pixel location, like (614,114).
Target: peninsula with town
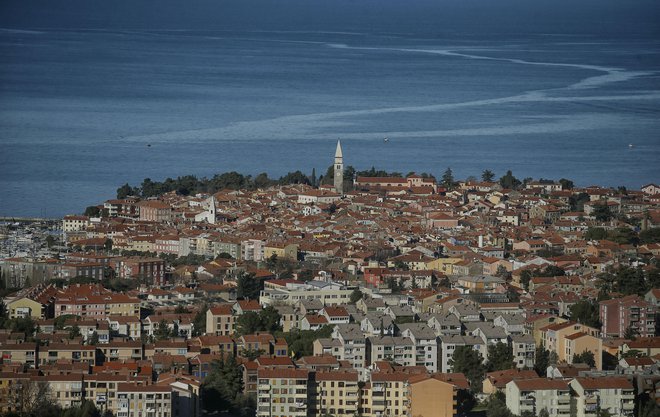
(354,293)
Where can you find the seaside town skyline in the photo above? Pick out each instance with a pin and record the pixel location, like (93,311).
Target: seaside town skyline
(346,208)
(361,294)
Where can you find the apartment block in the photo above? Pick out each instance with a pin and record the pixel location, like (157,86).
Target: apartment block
(619,314)
(537,394)
(143,400)
(282,392)
(614,394)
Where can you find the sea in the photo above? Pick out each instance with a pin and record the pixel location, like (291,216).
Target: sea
(85,110)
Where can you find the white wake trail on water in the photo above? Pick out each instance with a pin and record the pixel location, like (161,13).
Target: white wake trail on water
(611,74)
(307,125)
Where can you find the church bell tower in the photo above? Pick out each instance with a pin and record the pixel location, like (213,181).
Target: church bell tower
(339,170)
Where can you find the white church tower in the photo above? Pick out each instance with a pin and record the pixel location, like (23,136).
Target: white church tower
(339,170)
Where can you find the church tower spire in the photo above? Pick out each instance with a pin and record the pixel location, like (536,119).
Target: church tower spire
(339,169)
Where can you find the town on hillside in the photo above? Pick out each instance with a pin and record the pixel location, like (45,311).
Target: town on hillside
(360,295)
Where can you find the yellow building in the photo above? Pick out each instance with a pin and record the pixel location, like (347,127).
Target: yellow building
(123,305)
(22,353)
(281,251)
(70,352)
(477,284)
(25,307)
(101,388)
(11,389)
(435,395)
(118,350)
(553,336)
(443,265)
(66,390)
(338,393)
(220,320)
(387,394)
(534,326)
(578,343)
(282,392)
(569,339)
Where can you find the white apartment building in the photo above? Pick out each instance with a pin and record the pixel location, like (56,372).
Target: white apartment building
(614,394)
(536,394)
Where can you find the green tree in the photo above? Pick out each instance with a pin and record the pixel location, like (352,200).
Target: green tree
(74,331)
(585,312)
(248,287)
(222,387)
(393,285)
(61,321)
(500,357)
(649,236)
(628,280)
(448,179)
(469,362)
(85,409)
(525,278)
(595,233)
(93,211)
(509,181)
(162,331)
(602,213)
(603,412)
(50,241)
(125,191)
(294,178)
(199,322)
(93,339)
(252,354)
(356,296)
(312,179)
(566,184)
(585,357)
(544,413)
(576,201)
(496,406)
(541,361)
(262,181)
(248,323)
(269,319)
(487,176)
(301,341)
(647,406)
(631,333)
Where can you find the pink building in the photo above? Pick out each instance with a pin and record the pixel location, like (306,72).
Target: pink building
(155,211)
(631,311)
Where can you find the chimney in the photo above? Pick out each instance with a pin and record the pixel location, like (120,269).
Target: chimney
(481,241)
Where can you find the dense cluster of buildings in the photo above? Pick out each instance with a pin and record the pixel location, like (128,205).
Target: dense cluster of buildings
(402,270)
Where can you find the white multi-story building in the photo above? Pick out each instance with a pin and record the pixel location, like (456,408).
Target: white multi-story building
(253,250)
(143,400)
(537,394)
(425,342)
(399,350)
(524,350)
(328,293)
(448,345)
(614,394)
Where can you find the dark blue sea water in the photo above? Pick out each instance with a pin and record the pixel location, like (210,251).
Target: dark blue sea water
(79,108)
